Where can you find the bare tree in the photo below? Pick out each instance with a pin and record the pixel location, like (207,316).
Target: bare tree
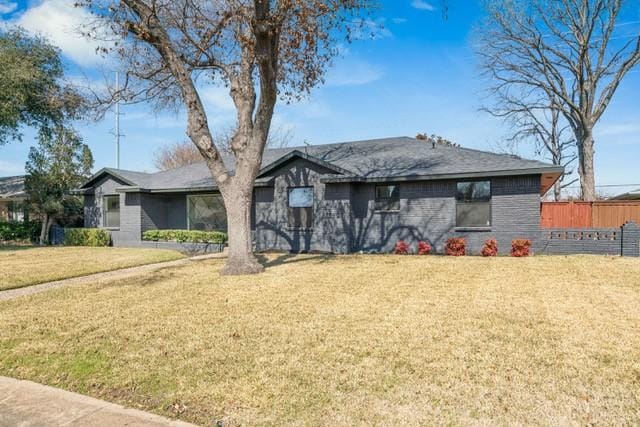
(259,49)
(563,50)
(176,155)
(539,122)
(172,156)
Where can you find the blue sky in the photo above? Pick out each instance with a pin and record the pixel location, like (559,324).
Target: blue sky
(419,74)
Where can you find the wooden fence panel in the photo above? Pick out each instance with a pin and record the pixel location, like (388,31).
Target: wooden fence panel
(566,215)
(615,213)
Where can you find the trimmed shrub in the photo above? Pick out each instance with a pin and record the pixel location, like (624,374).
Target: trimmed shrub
(86,237)
(490,248)
(402,248)
(424,248)
(18,231)
(455,246)
(520,247)
(185,236)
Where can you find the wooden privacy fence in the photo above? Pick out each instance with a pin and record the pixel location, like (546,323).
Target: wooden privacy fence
(603,214)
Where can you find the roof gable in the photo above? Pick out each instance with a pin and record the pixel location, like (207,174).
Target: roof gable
(115,173)
(297,154)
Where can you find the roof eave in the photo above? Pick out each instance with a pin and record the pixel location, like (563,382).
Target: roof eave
(416,177)
(205,189)
(554,172)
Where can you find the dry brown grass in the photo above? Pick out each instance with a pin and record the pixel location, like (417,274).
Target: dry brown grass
(354,340)
(27,265)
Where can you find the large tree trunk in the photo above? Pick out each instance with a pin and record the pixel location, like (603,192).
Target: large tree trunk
(240,257)
(585,168)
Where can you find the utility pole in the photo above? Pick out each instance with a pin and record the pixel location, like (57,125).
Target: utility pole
(117,120)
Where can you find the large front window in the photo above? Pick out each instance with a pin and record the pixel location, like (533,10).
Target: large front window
(206,212)
(111,211)
(301,207)
(473,204)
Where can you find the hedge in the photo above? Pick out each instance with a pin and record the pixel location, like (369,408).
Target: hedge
(11,231)
(185,236)
(86,237)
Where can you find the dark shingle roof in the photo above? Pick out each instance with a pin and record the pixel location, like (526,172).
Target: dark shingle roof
(12,186)
(631,195)
(389,158)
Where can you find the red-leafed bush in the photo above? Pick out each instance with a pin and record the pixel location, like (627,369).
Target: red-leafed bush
(520,247)
(490,248)
(455,246)
(401,248)
(424,248)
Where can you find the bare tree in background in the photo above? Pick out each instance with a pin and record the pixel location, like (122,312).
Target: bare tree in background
(259,49)
(172,156)
(543,126)
(563,50)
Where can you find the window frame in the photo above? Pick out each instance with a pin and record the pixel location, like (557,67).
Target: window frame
(189,211)
(312,207)
(105,210)
(488,202)
(386,200)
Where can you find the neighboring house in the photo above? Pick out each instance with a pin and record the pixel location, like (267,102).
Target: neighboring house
(631,195)
(347,197)
(12,198)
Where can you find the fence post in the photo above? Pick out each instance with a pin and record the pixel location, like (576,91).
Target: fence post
(631,239)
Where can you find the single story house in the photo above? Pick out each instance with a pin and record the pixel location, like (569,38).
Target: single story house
(631,195)
(12,198)
(345,197)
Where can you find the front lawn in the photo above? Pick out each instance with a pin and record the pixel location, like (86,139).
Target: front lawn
(352,340)
(27,265)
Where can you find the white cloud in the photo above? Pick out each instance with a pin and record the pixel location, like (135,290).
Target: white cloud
(423,5)
(217,98)
(399,20)
(7,7)
(8,169)
(60,22)
(354,73)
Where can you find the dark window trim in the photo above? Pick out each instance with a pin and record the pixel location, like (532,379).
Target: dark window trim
(187,208)
(385,199)
(312,207)
(104,212)
(472,228)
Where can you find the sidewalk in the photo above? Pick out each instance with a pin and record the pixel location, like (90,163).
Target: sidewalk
(123,273)
(25,403)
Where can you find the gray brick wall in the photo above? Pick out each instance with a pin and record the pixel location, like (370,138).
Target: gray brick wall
(428,212)
(631,239)
(596,241)
(331,212)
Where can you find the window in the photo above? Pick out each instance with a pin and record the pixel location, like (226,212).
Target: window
(16,211)
(301,207)
(387,198)
(206,212)
(111,206)
(473,204)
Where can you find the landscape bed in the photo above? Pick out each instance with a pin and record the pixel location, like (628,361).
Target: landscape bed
(22,266)
(347,340)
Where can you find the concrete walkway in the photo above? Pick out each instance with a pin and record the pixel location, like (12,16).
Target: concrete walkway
(25,403)
(106,276)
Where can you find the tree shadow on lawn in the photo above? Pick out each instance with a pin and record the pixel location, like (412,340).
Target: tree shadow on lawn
(14,247)
(289,258)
